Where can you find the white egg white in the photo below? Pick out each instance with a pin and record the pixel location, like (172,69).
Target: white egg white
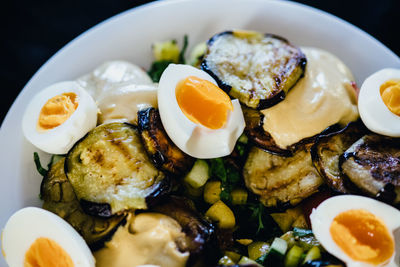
(373,111)
(28,224)
(195,139)
(322,218)
(60,139)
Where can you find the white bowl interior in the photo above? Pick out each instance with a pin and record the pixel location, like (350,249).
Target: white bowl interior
(130,35)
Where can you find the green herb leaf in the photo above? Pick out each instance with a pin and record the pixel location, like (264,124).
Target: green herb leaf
(184,47)
(227,174)
(39,167)
(157,68)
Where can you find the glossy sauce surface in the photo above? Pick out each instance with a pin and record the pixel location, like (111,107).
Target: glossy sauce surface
(323,97)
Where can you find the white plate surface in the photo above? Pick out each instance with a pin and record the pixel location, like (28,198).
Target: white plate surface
(129,36)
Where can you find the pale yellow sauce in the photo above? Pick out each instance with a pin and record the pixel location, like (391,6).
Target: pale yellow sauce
(323,97)
(148,238)
(122,103)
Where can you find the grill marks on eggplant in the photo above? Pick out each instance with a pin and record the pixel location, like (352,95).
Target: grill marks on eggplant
(280,180)
(327,150)
(59,198)
(111,172)
(165,155)
(373,165)
(258,69)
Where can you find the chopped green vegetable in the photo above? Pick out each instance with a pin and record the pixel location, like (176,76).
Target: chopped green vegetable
(276,254)
(313,254)
(197,54)
(165,54)
(167,51)
(301,232)
(227,174)
(198,175)
(293,257)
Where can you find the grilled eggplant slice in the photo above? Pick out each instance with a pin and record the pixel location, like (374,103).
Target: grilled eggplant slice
(373,165)
(258,69)
(279,180)
(162,151)
(257,135)
(59,198)
(199,232)
(111,172)
(326,151)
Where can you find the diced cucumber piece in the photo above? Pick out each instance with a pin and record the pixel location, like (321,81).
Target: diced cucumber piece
(168,50)
(279,246)
(313,254)
(257,249)
(293,257)
(276,254)
(198,175)
(245,260)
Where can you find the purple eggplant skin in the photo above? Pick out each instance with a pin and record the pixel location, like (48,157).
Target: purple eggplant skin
(165,155)
(101,161)
(372,164)
(200,233)
(289,70)
(326,152)
(262,139)
(58,197)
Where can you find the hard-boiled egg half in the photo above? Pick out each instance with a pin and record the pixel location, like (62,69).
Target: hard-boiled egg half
(197,115)
(36,237)
(358,230)
(379,102)
(58,116)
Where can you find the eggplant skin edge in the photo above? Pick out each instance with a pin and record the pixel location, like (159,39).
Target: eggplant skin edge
(165,155)
(339,184)
(277,96)
(161,182)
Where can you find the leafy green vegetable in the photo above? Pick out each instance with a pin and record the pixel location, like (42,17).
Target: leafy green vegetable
(227,174)
(42,171)
(258,210)
(158,66)
(39,167)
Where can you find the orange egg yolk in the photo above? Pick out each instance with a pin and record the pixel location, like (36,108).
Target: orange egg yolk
(45,252)
(203,102)
(390,93)
(57,110)
(362,236)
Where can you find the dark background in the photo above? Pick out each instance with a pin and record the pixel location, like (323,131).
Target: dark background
(35,29)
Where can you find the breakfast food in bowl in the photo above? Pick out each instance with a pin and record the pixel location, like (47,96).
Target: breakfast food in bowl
(221,162)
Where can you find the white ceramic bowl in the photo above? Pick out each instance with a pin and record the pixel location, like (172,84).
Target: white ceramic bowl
(129,36)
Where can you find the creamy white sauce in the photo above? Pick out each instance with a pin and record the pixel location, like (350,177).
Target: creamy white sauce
(148,238)
(323,97)
(122,102)
(111,73)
